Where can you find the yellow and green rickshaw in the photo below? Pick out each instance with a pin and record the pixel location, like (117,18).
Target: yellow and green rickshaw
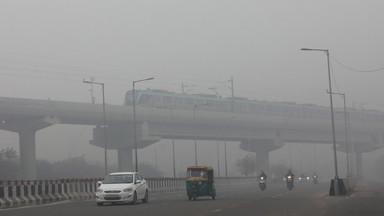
(200,182)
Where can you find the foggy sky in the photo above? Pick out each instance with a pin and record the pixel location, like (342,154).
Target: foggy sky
(47,47)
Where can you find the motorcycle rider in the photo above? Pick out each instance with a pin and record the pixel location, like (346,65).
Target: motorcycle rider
(290,174)
(289,178)
(314,178)
(262,174)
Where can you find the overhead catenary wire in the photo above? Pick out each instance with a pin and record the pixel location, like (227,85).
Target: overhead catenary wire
(357,70)
(51,68)
(334,78)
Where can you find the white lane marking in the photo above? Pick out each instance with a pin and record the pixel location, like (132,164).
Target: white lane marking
(217,210)
(38,205)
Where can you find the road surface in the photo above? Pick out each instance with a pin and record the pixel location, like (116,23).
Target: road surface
(242,198)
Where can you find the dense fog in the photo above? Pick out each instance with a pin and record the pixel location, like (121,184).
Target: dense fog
(49,47)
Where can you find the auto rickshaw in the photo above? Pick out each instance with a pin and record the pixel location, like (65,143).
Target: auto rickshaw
(200,182)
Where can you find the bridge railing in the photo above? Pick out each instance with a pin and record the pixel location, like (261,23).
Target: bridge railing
(22,193)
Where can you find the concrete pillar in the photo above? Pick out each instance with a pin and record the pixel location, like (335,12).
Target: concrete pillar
(359,165)
(124,158)
(27,145)
(262,160)
(262,147)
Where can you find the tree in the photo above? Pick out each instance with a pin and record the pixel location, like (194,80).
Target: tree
(247,165)
(379,167)
(9,164)
(9,154)
(278,171)
(74,167)
(148,171)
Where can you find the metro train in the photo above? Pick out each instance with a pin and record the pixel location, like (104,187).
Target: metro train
(165,99)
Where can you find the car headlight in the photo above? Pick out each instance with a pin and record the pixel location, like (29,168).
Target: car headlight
(99,190)
(128,189)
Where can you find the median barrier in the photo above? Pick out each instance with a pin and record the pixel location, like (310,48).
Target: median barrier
(157,185)
(22,193)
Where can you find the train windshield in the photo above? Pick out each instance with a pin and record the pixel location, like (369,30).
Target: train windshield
(140,98)
(128,98)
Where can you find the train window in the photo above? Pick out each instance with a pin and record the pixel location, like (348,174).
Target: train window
(156,99)
(178,100)
(241,106)
(252,106)
(225,105)
(286,110)
(167,99)
(128,99)
(259,108)
(312,113)
(198,102)
(277,110)
(189,101)
(142,99)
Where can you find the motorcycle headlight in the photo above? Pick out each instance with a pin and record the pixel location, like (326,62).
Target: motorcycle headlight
(289,177)
(99,190)
(128,189)
(262,178)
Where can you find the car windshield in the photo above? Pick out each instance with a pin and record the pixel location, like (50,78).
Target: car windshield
(119,179)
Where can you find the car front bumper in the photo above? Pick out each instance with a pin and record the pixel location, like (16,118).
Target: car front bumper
(114,197)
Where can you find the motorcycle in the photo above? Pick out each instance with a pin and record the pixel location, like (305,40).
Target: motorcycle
(262,183)
(314,179)
(289,182)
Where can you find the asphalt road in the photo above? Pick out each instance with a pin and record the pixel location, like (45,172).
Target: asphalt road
(236,199)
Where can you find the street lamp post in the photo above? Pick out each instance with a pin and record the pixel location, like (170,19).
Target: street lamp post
(173,145)
(331,102)
(195,125)
(134,118)
(104,123)
(194,120)
(225,158)
(217,136)
(218,156)
(346,130)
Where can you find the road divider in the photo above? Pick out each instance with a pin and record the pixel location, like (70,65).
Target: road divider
(23,193)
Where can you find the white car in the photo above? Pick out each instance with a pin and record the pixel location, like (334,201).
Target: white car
(122,187)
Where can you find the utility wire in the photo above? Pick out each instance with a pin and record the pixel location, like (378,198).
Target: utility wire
(334,78)
(356,70)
